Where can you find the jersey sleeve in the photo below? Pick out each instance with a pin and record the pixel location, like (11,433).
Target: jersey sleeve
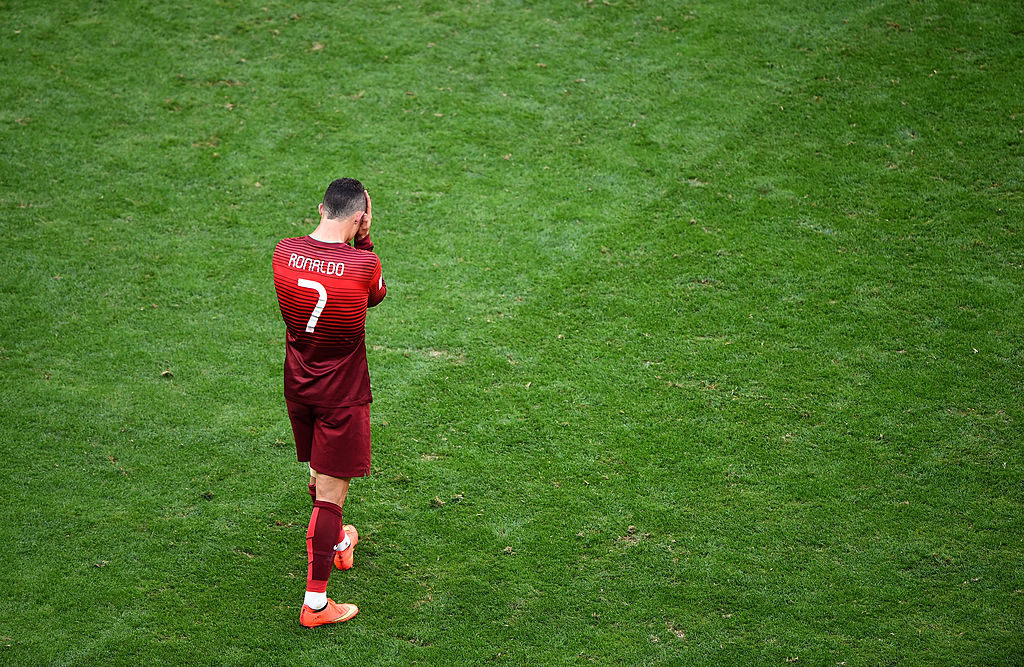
(378,290)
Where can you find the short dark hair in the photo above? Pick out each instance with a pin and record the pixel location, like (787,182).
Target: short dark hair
(344,197)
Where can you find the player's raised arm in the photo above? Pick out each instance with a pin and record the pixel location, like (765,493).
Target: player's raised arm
(362,240)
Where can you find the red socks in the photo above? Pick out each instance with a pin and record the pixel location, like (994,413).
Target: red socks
(324,527)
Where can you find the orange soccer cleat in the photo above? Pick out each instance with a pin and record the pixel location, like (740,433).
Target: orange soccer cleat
(332,613)
(343,559)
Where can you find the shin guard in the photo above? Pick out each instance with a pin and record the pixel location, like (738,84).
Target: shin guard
(321,536)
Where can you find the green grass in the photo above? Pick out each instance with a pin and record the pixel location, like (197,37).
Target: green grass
(703,341)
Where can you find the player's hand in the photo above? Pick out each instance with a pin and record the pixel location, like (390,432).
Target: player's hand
(364,222)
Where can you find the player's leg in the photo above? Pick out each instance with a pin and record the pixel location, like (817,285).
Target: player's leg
(344,454)
(327,518)
(325,526)
(321,535)
(321,539)
(325,529)
(333,490)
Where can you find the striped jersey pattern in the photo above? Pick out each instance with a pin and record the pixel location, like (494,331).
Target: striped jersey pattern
(323,290)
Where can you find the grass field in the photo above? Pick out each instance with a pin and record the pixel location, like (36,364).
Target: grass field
(704,340)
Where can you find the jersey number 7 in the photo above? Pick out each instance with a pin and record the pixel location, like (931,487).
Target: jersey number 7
(320,302)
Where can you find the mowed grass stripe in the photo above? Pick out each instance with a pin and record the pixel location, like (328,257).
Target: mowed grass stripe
(701,342)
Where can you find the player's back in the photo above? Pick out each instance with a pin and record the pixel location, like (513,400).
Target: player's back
(324,290)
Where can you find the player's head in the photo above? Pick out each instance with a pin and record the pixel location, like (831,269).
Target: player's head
(344,197)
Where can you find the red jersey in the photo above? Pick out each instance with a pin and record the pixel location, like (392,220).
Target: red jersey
(324,290)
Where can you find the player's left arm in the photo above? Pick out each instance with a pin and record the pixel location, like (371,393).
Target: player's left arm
(362,239)
(378,290)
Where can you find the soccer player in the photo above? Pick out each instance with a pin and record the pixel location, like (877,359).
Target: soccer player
(324,286)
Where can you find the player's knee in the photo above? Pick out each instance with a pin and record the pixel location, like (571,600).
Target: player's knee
(331,489)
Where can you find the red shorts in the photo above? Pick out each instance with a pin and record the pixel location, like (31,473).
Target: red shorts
(335,441)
